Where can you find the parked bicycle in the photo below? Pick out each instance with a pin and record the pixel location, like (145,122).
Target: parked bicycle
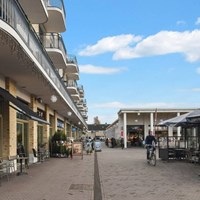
(151,155)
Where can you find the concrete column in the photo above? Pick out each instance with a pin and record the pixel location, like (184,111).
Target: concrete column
(55,122)
(70,128)
(33,140)
(170,130)
(146,125)
(125,131)
(46,127)
(178,128)
(194,132)
(9,131)
(151,122)
(65,127)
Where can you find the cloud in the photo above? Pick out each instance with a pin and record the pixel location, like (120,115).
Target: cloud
(195,89)
(114,104)
(164,42)
(190,90)
(120,105)
(180,22)
(109,44)
(112,108)
(197,21)
(198,70)
(91,69)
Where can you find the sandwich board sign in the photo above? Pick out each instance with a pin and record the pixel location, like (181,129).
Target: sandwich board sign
(77,149)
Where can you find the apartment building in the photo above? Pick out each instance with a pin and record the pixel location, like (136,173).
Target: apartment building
(39,91)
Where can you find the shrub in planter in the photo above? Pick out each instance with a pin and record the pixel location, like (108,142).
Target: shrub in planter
(58,144)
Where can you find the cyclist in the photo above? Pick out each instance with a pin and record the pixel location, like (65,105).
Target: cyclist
(150,142)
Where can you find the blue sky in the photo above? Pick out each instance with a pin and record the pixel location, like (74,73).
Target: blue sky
(135,53)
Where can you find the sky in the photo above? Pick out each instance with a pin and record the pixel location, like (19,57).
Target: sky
(135,53)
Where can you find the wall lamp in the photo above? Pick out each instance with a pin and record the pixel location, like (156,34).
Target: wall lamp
(54,98)
(69,113)
(39,100)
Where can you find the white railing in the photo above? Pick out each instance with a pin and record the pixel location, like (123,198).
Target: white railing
(12,13)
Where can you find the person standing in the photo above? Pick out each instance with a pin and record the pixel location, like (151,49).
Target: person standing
(112,142)
(70,149)
(122,142)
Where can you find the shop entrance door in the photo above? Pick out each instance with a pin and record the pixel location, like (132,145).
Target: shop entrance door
(22,136)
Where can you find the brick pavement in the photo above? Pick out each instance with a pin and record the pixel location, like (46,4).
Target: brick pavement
(125,175)
(55,179)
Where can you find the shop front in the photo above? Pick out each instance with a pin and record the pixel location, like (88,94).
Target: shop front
(135,135)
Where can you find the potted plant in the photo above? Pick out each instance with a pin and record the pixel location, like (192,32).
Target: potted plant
(58,144)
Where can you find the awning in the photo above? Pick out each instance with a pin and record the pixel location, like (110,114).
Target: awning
(175,121)
(21,107)
(194,117)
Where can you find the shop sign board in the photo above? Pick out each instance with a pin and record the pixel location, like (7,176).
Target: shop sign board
(77,149)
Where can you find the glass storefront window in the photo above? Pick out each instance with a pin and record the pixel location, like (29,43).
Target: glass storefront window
(22,136)
(40,136)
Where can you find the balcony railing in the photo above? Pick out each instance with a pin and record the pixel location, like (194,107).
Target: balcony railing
(46,3)
(71,59)
(72,83)
(72,64)
(53,40)
(11,12)
(82,102)
(57,3)
(80,88)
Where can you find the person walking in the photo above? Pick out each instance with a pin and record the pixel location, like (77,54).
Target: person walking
(122,143)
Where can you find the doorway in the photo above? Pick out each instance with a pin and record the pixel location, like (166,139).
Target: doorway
(135,135)
(22,136)
(40,136)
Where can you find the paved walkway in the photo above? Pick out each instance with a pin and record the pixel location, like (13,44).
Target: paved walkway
(55,179)
(124,175)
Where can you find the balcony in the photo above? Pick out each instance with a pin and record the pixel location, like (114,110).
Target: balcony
(56,19)
(27,63)
(82,102)
(81,91)
(72,76)
(84,114)
(80,107)
(55,48)
(72,87)
(75,97)
(72,65)
(36,10)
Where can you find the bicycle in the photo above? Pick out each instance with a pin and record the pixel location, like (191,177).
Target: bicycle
(152,155)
